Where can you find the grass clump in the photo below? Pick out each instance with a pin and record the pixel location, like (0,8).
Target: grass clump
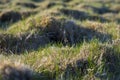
(9,70)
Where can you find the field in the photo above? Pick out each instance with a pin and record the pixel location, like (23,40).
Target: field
(60,40)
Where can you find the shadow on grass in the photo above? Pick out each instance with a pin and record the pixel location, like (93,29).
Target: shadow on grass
(9,17)
(12,44)
(111,64)
(45,75)
(68,34)
(103,10)
(37,0)
(9,72)
(4,1)
(118,21)
(28,5)
(82,15)
(76,71)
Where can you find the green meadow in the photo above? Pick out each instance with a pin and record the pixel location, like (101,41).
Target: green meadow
(59,40)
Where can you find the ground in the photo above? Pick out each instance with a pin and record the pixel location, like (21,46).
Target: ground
(59,40)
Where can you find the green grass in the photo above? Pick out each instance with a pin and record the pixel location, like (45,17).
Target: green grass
(95,57)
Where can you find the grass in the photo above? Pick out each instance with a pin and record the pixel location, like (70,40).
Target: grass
(62,40)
